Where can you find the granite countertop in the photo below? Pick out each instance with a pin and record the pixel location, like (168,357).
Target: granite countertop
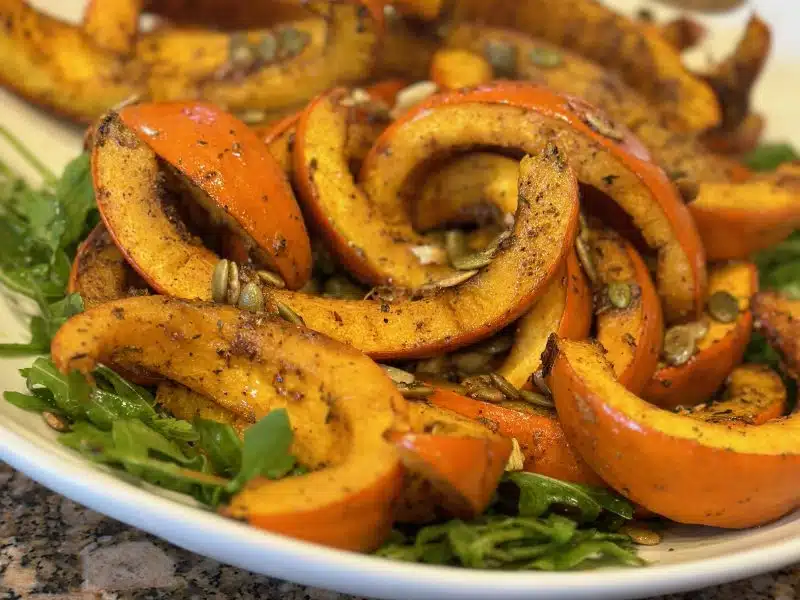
(54,549)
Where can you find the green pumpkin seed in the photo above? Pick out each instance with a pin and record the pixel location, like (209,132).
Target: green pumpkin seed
(398,375)
(267,48)
(272,279)
(219,281)
(240,54)
(723,307)
(251,298)
(538,380)
(291,41)
(516,460)
(455,242)
(470,262)
(619,294)
(433,366)
(471,362)
(487,394)
(679,345)
(545,57)
(641,535)
(536,399)
(234,285)
(339,286)
(494,245)
(602,125)
(287,314)
(503,58)
(415,390)
(583,227)
(55,422)
(447,282)
(502,384)
(585,258)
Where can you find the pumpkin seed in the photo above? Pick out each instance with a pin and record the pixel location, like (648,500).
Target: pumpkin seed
(502,384)
(494,246)
(219,281)
(252,116)
(339,286)
(251,298)
(602,125)
(433,366)
(619,294)
(291,41)
(538,380)
(415,390)
(487,394)
(412,95)
(55,422)
(240,54)
(312,286)
(583,227)
(679,345)
(472,261)
(641,535)
(585,258)
(272,279)
(536,399)
(503,58)
(455,242)
(471,362)
(398,375)
(267,48)
(496,345)
(447,282)
(516,460)
(287,314)
(234,286)
(430,254)
(723,307)
(545,57)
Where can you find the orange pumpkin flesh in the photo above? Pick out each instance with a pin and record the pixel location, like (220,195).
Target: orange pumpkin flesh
(240,360)
(565,308)
(538,433)
(718,352)
(220,155)
(631,335)
(686,470)
(112,26)
(455,69)
(516,115)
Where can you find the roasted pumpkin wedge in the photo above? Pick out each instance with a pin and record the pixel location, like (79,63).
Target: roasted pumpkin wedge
(185,404)
(468,189)
(100,274)
(718,351)
(537,431)
(240,183)
(279,138)
(523,116)
(276,68)
(778,318)
(565,309)
(250,365)
(460,458)
(638,53)
(113,26)
(455,69)
(676,466)
(753,395)
(629,321)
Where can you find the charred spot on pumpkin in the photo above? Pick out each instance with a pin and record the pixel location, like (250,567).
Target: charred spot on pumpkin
(549,355)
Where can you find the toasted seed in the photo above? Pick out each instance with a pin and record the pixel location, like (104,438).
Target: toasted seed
(538,380)
(583,227)
(251,116)
(641,535)
(516,460)
(448,282)
(585,258)
(471,362)
(291,41)
(251,298)
(433,366)
(411,96)
(496,345)
(493,246)
(339,286)
(399,375)
(723,307)
(502,384)
(536,399)
(267,48)
(234,285)
(272,279)
(545,57)
(287,314)
(679,345)
(487,394)
(619,294)
(455,242)
(469,262)
(430,254)
(240,54)
(503,58)
(55,422)
(415,390)
(219,281)
(603,126)
(699,328)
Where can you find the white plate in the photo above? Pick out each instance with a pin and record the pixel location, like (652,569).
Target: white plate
(690,557)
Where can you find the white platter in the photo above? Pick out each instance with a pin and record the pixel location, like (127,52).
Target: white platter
(690,558)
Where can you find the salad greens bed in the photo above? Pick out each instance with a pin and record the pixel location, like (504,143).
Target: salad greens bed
(535,522)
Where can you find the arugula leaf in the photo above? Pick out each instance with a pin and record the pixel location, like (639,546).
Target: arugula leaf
(26,402)
(221,444)
(768,157)
(265,450)
(75,196)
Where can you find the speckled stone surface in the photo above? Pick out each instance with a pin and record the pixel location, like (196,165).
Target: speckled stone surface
(54,549)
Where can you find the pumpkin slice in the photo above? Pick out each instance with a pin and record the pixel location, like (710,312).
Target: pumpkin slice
(467,189)
(565,309)
(687,470)
(718,351)
(406,49)
(460,459)
(778,318)
(271,68)
(523,116)
(455,69)
(245,187)
(185,404)
(638,53)
(629,322)
(753,395)
(112,26)
(251,365)
(537,431)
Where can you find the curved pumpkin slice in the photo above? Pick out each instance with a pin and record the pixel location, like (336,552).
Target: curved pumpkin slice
(455,69)
(537,431)
(112,26)
(718,352)
(99,273)
(778,318)
(686,470)
(605,156)
(461,459)
(647,62)
(631,334)
(247,189)
(295,61)
(185,404)
(466,189)
(753,395)
(279,138)
(239,360)
(565,309)
(57,66)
